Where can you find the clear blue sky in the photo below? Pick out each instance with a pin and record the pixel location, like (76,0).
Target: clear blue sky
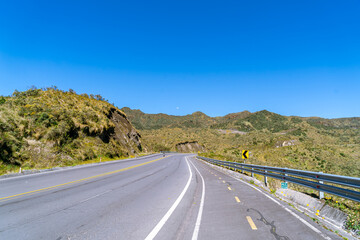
(176,57)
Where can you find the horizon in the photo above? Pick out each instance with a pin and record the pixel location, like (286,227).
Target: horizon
(294,59)
(120,107)
(233,113)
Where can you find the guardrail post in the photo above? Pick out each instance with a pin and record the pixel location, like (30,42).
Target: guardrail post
(252,174)
(265,178)
(321,194)
(318,180)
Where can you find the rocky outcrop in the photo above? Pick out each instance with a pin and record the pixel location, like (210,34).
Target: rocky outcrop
(124,131)
(187,147)
(285,143)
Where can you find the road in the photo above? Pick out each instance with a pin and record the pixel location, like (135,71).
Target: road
(176,197)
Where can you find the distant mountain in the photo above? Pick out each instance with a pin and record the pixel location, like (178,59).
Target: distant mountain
(309,143)
(242,121)
(353,122)
(144,121)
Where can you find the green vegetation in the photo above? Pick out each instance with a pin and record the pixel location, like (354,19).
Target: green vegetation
(143,121)
(314,144)
(49,127)
(313,151)
(42,128)
(350,207)
(330,145)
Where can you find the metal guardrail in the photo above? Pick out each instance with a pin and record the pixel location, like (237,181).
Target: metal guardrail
(314,180)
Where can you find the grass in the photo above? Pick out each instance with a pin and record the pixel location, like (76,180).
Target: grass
(350,207)
(43,128)
(315,152)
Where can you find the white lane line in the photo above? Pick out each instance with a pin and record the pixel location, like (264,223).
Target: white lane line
(164,219)
(198,220)
(288,210)
(98,195)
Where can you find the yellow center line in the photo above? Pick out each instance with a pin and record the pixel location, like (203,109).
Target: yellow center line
(252,224)
(83,179)
(223,181)
(237,199)
(229,188)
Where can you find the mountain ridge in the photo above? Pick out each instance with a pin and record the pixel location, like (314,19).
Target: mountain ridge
(239,121)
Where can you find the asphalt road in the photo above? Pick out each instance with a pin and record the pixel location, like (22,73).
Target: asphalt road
(176,197)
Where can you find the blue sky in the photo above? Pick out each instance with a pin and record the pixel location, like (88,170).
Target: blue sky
(290,57)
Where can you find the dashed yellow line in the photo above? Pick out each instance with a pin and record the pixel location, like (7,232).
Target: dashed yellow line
(237,199)
(251,222)
(81,180)
(229,188)
(223,181)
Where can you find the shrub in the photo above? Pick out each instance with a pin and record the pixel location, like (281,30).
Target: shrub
(2,100)
(9,146)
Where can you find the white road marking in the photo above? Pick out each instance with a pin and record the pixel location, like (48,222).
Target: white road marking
(198,220)
(288,210)
(98,195)
(63,169)
(164,219)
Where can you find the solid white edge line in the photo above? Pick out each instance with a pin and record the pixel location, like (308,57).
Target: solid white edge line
(64,169)
(288,210)
(162,222)
(198,220)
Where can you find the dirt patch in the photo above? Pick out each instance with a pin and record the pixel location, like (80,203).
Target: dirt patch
(189,147)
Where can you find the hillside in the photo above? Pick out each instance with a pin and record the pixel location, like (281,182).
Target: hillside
(241,121)
(317,144)
(45,128)
(143,121)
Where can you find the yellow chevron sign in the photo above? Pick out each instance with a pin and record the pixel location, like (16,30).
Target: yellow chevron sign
(245,154)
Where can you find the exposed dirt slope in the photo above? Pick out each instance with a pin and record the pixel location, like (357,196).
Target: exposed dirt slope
(189,147)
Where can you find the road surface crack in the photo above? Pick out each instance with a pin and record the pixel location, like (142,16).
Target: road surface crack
(271,224)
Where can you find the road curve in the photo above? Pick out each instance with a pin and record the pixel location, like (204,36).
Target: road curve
(176,197)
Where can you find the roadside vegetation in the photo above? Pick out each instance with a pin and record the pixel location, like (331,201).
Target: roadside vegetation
(42,128)
(313,144)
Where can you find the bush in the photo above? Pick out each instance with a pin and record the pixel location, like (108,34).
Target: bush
(63,133)
(9,146)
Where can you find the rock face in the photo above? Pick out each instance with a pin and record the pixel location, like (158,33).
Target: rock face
(124,131)
(187,147)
